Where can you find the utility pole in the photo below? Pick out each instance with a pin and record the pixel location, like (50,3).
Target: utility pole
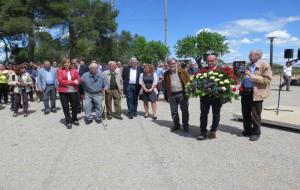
(271,50)
(166,23)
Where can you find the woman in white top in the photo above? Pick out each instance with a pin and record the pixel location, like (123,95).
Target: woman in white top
(287,76)
(148,81)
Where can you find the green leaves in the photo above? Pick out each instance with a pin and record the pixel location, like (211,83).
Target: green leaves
(201,44)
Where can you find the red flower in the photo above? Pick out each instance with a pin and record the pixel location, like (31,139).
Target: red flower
(233,89)
(241,89)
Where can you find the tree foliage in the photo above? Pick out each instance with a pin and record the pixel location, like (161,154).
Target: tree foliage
(203,43)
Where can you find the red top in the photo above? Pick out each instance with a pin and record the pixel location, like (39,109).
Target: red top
(63,82)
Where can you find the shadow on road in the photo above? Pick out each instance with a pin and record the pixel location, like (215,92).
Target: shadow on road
(195,130)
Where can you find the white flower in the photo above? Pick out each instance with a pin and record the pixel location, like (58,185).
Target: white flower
(223,88)
(212,78)
(226,81)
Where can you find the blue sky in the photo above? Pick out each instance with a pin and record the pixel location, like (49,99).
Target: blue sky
(245,23)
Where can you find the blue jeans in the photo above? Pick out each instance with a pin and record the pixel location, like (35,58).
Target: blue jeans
(90,100)
(49,92)
(179,100)
(132,98)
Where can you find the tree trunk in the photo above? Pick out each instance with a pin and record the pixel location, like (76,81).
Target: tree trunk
(31,46)
(72,41)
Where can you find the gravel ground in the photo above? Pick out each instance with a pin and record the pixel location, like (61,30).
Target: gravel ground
(39,153)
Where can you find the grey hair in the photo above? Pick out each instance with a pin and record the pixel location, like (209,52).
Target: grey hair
(112,62)
(93,65)
(133,59)
(257,52)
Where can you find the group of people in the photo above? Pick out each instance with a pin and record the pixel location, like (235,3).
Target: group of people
(82,87)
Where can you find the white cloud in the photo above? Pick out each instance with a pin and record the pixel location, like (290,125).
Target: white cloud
(242,27)
(284,38)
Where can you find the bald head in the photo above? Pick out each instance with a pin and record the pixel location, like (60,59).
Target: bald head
(212,60)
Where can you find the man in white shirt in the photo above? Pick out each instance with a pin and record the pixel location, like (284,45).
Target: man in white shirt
(131,75)
(287,76)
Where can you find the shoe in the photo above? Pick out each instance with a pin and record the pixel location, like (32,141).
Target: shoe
(202,136)
(26,115)
(75,123)
(119,117)
(53,111)
(69,126)
(254,137)
(87,122)
(98,121)
(246,134)
(15,115)
(146,116)
(109,117)
(173,129)
(134,115)
(46,112)
(154,118)
(212,135)
(130,116)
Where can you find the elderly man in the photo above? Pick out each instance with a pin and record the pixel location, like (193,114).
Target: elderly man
(47,83)
(114,91)
(205,103)
(176,78)
(131,75)
(93,84)
(256,87)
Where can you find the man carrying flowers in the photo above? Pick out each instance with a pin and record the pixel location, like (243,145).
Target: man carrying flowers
(208,101)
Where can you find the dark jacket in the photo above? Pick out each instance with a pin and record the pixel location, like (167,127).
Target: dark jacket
(184,78)
(83,69)
(125,76)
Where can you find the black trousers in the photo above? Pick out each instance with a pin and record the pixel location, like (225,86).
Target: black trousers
(4,93)
(66,99)
(251,111)
(179,99)
(205,103)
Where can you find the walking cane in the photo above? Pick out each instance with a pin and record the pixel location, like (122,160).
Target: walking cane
(104,110)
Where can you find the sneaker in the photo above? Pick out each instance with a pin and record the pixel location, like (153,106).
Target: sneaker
(26,115)
(98,121)
(109,117)
(15,115)
(46,112)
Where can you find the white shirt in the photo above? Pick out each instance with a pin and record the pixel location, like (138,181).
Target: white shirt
(132,76)
(69,75)
(287,71)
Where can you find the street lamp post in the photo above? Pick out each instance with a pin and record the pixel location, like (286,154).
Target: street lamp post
(271,50)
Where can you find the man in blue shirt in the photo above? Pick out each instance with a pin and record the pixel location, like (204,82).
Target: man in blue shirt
(93,84)
(256,88)
(47,83)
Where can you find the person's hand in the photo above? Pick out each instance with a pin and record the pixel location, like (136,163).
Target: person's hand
(76,81)
(247,72)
